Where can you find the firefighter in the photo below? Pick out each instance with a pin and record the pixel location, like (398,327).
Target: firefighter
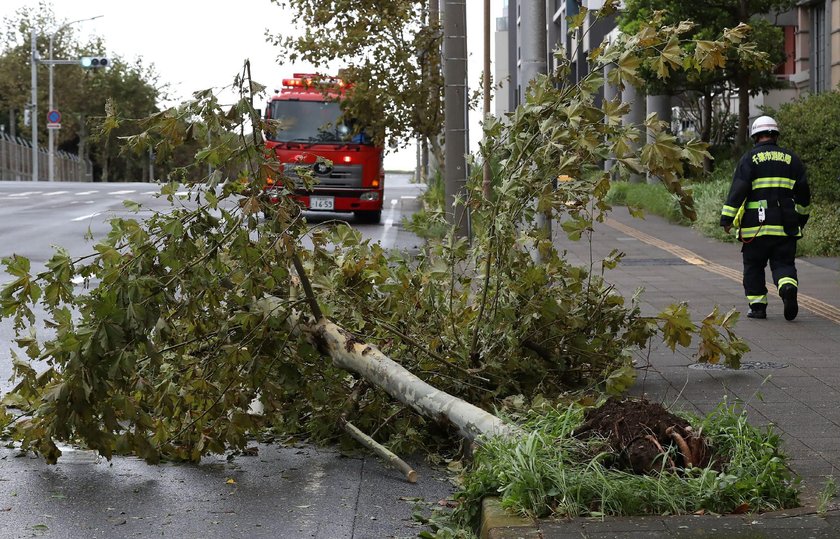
(768,205)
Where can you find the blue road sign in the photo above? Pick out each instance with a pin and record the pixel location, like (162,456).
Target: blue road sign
(54,117)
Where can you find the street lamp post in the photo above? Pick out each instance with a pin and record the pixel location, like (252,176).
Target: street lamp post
(51,132)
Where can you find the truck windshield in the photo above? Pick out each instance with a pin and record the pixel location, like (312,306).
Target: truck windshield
(312,121)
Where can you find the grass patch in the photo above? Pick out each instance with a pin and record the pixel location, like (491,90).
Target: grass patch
(550,472)
(652,198)
(828,493)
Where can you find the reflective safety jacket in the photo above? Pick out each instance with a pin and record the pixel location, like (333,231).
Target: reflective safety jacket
(769,180)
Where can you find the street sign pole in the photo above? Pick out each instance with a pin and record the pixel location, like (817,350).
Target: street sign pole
(33,106)
(52,125)
(51,132)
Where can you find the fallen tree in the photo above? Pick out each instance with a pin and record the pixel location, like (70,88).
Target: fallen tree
(171,339)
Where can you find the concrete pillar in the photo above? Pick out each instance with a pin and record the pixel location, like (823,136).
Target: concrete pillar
(635,117)
(534,62)
(455,111)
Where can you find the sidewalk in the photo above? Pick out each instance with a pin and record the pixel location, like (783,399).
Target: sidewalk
(790,379)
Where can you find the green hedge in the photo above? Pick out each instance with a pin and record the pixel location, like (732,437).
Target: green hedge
(810,127)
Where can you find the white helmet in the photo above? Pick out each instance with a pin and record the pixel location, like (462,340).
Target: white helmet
(764,124)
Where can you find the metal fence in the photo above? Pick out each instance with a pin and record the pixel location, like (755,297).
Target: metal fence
(16,163)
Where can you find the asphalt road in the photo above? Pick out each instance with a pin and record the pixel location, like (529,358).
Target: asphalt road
(37,218)
(294,492)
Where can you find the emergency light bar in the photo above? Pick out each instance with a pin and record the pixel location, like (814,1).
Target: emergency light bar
(305,80)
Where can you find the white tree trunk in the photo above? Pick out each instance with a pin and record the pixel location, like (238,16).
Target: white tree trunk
(371,364)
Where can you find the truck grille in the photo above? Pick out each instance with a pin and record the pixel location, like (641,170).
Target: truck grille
(341,176)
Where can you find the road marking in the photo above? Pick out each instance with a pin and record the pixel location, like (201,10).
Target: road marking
(84,217)
(126,192)
(24,194)
(389,224)
(82,193)
(821,308)
(53,193)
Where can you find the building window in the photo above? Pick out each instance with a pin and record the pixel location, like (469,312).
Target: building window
(819,49)
(788,66)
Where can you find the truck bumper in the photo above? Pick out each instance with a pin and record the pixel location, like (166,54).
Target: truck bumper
(360,200)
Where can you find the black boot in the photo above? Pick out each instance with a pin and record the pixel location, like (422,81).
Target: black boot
(758,311)
(788,293)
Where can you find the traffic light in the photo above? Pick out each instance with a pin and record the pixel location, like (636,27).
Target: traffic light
(93,62)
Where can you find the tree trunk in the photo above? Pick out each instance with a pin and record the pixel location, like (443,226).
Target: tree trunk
(367,361)
(377,369)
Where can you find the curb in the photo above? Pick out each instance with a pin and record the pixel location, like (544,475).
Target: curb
(497,523)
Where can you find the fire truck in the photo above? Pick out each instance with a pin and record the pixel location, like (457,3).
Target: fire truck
(309,131)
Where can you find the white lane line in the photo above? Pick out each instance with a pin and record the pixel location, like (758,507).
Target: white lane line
(82,193)
(53,193)
(88,216)
(126,192)
(389,224)
(24,194)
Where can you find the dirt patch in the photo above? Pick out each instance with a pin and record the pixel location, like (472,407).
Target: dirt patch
(644,436)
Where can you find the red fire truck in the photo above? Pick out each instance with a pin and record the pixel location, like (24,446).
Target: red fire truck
(308,131)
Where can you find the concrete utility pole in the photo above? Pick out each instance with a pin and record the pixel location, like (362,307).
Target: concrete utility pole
(455,109)
(532,41)
(486,181)
(33,105)
(534,50)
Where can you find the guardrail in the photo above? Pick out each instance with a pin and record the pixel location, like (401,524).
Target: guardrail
(16,163)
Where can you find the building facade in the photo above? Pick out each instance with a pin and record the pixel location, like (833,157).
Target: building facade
(538,27)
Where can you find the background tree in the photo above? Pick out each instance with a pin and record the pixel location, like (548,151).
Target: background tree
(391,51)
(80,94)
(711,19)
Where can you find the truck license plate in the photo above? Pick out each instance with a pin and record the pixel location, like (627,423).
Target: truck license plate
(321,203)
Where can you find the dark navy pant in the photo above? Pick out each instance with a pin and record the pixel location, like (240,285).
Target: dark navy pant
(780,251)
